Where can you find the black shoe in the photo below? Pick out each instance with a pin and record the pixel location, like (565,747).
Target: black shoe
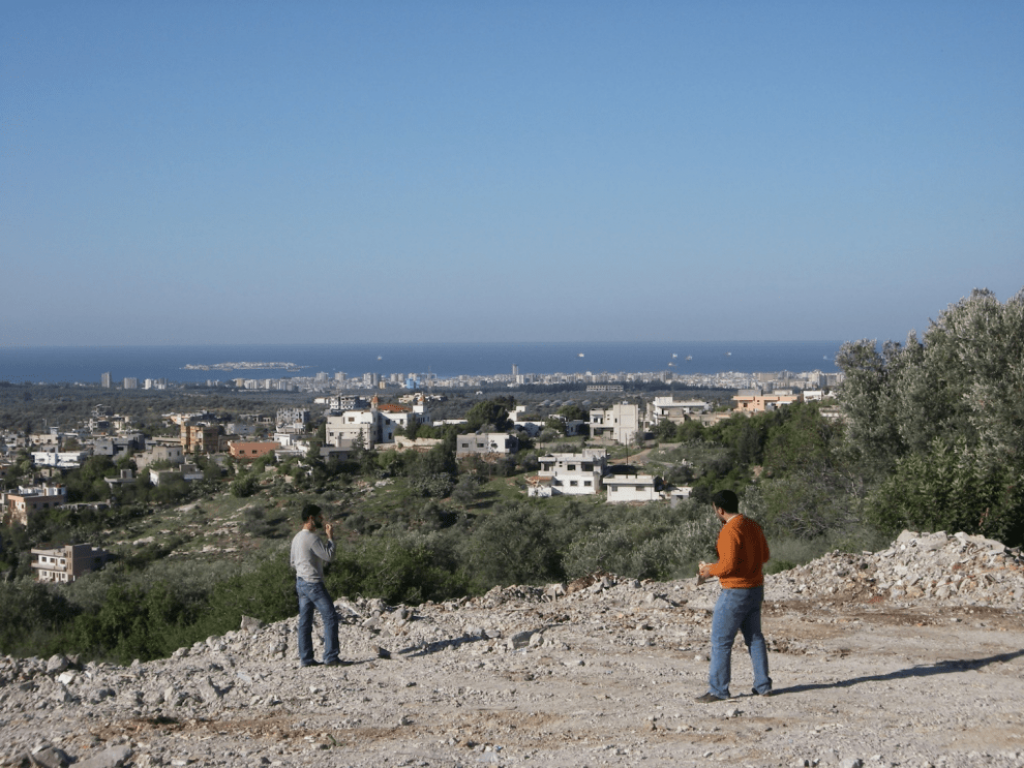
(336,663)
(312,664)
(766,693)
(707,698)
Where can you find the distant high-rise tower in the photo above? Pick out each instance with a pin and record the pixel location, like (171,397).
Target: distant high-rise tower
(105,380)
(515,369)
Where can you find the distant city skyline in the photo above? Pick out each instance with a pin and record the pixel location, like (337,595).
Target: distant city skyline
(199,363)
(227,173)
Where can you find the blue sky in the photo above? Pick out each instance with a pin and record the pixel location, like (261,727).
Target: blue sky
(229,172)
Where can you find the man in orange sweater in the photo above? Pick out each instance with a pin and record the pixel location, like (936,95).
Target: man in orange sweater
(742,550)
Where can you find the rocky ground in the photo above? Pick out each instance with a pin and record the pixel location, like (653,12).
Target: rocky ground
(911,657)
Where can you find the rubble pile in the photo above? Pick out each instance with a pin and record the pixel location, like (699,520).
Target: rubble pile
(244,694)
(958,570)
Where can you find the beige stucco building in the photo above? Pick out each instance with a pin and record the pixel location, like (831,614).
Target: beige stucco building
(24,502)
(756,401)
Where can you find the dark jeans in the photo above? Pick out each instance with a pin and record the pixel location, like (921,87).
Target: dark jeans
(313,594)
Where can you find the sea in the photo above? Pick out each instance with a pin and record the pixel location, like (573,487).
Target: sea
(196,364)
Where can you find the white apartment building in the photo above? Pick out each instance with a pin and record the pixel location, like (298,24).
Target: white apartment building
(374,427)
(621,422)
(377,423)
(570,473)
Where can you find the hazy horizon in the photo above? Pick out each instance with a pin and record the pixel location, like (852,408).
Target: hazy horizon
(403,342)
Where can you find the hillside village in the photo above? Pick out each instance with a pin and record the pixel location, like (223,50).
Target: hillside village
(338,425)
(499,606)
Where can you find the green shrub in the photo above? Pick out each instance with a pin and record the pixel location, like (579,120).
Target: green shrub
(395,570)
(245,485)
(655,541)
(31,614)
(517,543)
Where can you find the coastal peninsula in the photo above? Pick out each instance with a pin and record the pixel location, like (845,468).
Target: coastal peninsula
(242,366)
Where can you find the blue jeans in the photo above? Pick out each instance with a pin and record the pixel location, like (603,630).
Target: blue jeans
(313,594)
(737,610)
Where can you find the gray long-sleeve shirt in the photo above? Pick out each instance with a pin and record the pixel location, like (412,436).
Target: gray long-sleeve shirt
(309,553)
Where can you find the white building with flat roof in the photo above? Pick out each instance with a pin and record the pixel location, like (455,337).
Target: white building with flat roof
(485,444)
(670,409)
(625,488)
(570,473)
(621,422)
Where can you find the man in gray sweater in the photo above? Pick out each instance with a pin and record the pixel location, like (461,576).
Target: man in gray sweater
(309,553)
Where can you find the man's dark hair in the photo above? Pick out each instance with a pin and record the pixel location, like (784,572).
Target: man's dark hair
(726,500)
(308,511)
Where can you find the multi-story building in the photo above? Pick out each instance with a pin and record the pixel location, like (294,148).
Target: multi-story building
(376,423)
(570,473)
(200,438)
(367,423)
(292,418)
(50,439)
(160,450)
(116,446)
(621,422)
(25,501)
(405,416)
(67,563)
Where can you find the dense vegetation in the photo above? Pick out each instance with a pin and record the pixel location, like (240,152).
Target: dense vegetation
(932,437)
(936,426)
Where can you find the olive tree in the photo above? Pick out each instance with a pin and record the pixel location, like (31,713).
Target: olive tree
(941,421)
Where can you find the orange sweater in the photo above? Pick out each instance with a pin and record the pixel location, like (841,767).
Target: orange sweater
(742,550)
